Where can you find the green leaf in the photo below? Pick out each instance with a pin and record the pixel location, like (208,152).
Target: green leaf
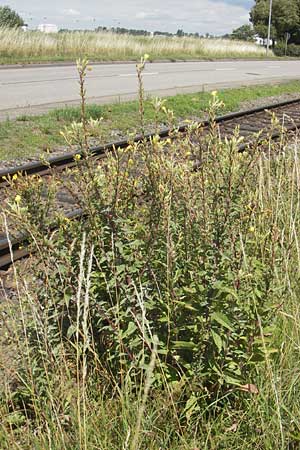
(189,290)
(130,330)
(184,345)
(16,419)
(232,380)
(162,352)
(217,340)
(191,407)
(225,290)
(222,319)
(71,331)
(185,305)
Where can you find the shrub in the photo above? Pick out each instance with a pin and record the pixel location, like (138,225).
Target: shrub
(292,50)
(9,18)
(168,288)
(186,256)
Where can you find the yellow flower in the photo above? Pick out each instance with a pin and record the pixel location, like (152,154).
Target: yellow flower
(15,176)
(77,157)
(146,56)
(214,93)
(251,229)
(18,199)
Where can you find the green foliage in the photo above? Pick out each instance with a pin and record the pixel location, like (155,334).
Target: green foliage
(196,271)
(243,33)
(292,50)
(175,254)
(158,310)
(10,18)
(285,18)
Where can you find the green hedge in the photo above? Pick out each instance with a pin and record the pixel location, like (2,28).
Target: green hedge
(292,50)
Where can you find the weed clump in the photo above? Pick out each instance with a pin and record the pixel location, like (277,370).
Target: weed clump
(168,294)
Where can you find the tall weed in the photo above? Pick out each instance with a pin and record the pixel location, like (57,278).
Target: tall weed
(178,291)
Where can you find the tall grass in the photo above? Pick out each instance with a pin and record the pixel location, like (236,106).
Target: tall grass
(101,46)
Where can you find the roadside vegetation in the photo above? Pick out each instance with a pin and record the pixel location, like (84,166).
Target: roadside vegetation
(169,318)
(10,18)
(284,30)
(33,46)
(31,136)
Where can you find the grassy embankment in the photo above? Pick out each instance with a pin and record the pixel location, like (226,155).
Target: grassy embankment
(31,136)
(17,46)
(169,319)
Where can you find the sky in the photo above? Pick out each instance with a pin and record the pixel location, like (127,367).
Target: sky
(203,16)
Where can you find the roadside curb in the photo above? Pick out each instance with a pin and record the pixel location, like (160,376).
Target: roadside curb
(156,61)
(13,113)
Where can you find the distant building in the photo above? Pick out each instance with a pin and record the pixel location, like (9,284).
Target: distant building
(262,41)
(24,27)
(48,28)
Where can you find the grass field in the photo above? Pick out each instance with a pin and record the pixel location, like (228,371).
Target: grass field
(17,46)
(31,136)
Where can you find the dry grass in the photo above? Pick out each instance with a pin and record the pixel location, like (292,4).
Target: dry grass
(16,44)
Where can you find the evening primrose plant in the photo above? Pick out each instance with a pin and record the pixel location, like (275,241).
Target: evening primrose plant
(78,134)
(172,305)
(140,67)
(182,241)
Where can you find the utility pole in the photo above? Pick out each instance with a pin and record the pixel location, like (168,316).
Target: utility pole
(269,27)
(287,36)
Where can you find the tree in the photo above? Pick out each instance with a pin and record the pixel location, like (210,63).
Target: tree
(10,18)
(180,33)
(243,33)
(285,19)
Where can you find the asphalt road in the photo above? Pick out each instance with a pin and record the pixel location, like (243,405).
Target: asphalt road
(38,89)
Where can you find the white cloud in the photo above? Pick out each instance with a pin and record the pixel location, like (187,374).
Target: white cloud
(213,16)
(71,12)
(156,14)
(141,15)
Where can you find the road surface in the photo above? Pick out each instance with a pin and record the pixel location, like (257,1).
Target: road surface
(32,90)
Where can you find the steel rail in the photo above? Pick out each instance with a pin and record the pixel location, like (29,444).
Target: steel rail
(67,159)
(13,249)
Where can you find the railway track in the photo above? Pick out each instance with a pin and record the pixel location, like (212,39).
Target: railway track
(250,123)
